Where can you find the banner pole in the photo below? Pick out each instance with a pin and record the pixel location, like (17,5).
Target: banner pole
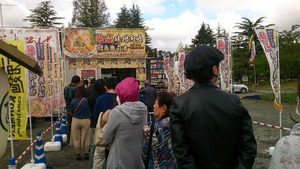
(279,80)
(57,95)
(231,65)
(30,125)
(29,113)
(10,130)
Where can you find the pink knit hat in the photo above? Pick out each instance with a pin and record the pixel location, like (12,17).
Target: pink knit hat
(128,90)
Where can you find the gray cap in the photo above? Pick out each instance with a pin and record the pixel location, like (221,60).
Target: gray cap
(202,57)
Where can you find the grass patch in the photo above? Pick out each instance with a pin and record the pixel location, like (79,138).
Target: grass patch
(267,85)
(285,97)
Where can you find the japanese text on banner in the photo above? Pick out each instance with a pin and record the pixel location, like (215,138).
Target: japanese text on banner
(268,41)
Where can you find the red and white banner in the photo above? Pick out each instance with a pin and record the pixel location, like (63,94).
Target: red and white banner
(179,71)
(268,40)
(223,45)
(169,71)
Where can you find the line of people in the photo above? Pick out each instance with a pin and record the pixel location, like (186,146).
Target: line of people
(202,128)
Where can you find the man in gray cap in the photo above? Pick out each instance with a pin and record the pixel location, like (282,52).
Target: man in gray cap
(210,128)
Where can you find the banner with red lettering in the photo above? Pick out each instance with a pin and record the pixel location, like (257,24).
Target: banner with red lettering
(185,84)
(104,42)
(169,72)
(223,45)
(268,40)
(45,93)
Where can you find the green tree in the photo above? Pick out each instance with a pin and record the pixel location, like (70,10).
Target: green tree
(136,21)
(123,18)
(289,52)
(205,36)
(90,13)
(221,32)
(290,37)
(43,15)
(132,18)
(129,18)
(241,53)
(246,26)
(136,17)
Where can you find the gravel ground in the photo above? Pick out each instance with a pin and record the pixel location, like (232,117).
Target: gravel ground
(266,137)
(260,111)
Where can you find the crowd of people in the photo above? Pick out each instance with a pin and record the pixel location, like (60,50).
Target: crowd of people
(204,127)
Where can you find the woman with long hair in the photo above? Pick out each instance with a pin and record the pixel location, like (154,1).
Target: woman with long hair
(80,128)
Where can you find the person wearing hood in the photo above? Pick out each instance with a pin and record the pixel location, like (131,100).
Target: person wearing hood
(286,153)
(125,127)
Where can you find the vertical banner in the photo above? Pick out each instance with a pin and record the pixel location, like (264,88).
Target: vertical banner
(184,83)
(38,85)
(58,78)
(252,48)
(51,97)
(169,71)
(54,103)
(40,45)
(179,69)
(268,40)
(61,79)
(46,45)
(223,45)
(17,95)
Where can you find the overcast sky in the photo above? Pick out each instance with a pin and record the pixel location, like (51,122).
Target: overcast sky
(174,21)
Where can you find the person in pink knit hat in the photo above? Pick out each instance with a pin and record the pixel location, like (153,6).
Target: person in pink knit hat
(125,127)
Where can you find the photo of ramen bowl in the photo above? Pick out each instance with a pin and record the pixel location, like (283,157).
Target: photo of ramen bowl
(80,41)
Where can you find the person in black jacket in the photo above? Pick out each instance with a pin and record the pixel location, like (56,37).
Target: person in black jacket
(210,128)
(149,95)
(97,90)
(91,89)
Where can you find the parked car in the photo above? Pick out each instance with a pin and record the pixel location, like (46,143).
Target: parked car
(239,87)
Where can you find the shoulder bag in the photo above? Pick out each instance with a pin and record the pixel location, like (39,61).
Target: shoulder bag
(78,105)
(146,162)
(99,130)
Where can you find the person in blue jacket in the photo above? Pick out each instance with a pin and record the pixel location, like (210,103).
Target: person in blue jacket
(102,104)
(80,128)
